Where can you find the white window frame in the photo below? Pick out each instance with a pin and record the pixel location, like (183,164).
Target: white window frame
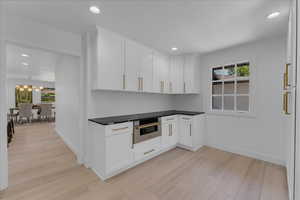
(235,112)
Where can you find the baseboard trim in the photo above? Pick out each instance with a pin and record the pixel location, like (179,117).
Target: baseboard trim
(255,155)
(67,142)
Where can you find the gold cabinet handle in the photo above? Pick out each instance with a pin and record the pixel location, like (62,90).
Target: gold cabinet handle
(286,77)
(124,82)
(286,103)
(142,83)
(171,129)
(120,129)
(139,83)
(147,152)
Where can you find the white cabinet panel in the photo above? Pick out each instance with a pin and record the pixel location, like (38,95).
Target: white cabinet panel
(160,72)
(169,131)
(191,76)
(110,68)
(138,67)
(118,151)
(176,75)
(185,131)
(133,62)
(146,70)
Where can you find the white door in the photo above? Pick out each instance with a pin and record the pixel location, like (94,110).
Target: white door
(110,60)
(164,73)
(133,62)
(118,151)
(185,132)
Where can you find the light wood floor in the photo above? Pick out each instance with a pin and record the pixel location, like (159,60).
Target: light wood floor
(43,168)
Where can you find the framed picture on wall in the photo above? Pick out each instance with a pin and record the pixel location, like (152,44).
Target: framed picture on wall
(23,94)
(48,95)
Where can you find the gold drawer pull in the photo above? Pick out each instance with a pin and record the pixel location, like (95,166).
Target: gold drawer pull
(286,77)
(119,129)
(285,103)
(149,151)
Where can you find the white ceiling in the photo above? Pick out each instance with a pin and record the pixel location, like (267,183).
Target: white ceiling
(192,26)
(41,63)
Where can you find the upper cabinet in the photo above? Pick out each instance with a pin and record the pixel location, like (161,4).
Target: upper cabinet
(191,75)
(109,71)
(160,73)
(176,74)
(118,63)
(138,67)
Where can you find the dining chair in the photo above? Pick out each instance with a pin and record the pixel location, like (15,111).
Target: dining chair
(45,112)
(25,112)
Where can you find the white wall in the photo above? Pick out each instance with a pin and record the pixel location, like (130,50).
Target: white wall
(107,103)
(3,106)
(36,96)
(260,136)
(67,100)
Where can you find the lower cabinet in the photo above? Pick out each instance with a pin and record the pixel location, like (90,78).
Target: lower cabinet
(110,148)
(169,131)
(191,131)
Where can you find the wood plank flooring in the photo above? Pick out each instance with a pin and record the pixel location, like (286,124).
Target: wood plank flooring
(41,167)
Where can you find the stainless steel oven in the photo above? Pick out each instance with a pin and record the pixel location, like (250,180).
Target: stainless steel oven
(146,129)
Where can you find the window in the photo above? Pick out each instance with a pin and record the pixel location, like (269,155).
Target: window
(230,88)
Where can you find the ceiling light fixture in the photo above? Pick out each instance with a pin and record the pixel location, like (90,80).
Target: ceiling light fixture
(273,15)
(25,63)
(94,9)
(25,55)
(174,48)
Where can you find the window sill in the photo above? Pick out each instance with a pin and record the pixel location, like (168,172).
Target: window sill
(233,114)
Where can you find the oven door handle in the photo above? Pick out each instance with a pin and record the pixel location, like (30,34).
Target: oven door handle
(149,125)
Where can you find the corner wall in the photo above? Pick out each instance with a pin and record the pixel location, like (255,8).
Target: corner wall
(261,135)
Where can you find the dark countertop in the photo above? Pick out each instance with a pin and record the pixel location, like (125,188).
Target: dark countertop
(127,118)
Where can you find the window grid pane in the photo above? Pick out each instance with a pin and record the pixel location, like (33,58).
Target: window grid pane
(234,82)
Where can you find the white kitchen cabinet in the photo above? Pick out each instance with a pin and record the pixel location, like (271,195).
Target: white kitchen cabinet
(109,62)
(169,131)
(145,150)
(176,74)
(111,148)
(185,130)
(191,79)
(160,72)
(138,67)
(191,131)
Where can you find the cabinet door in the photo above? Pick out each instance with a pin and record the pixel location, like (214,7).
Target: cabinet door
(165,135)
(160,72)
(118,151)
(188,74)
(146,71)
(173,133)
(186,131)
(110,60)
(176,74)
(133,62)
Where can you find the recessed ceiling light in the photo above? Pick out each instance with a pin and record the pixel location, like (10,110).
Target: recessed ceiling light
(273,15)
(25,55)
(25,63)
(94,9)
(174,48)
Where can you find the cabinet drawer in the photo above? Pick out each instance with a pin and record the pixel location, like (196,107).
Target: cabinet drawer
(147,148)
(169,119)
(121,128)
